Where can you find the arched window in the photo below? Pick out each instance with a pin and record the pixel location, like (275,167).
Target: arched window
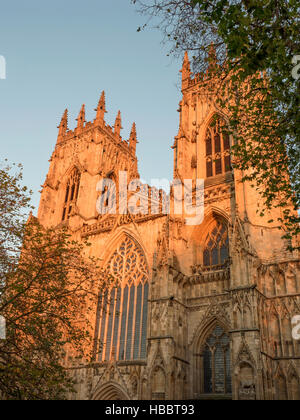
(217,148)
(121,329)
(71,195)
(216,246)
(108,195)
(216,363)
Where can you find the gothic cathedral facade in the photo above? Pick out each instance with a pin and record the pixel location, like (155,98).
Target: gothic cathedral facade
(199,312)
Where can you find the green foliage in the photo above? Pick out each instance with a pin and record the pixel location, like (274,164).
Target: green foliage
(48,292)
(252,38)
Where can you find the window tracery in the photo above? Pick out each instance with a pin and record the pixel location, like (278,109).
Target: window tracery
(71,194)
(216,361)
(217,148)
(216,246)
(123,310)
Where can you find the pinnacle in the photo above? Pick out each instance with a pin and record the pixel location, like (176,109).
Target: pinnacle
(63,126)
(101,109)
(118,124)
(81,117)
(133,132)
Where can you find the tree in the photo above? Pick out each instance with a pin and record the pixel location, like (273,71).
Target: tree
(48,293)
(256,45)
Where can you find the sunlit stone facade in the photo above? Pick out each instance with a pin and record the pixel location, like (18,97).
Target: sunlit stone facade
(198,311)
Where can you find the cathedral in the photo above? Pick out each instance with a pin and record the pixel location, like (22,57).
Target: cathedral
(199,311)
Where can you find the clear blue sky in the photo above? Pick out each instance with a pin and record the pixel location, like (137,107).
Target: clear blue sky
(64,53)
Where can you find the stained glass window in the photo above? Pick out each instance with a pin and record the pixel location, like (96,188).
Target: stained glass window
(208,144)
(218,166)
(226,141)
(144,323)
(110,323)
(117,318)
(130,323)
(217,143)
(227,163)
(216,246)
(209,168)
(217,148)
(122,329)
(216,363)
(137,333)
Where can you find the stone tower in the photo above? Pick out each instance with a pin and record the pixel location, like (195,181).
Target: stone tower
(204,311)
(81,158)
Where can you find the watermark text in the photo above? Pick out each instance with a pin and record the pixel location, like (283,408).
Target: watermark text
(296,327)
(123,196)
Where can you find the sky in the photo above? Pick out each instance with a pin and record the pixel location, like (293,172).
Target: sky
(61,54)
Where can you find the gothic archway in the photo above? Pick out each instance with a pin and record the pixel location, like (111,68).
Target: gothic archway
(217,147)
(71,193)
(216,245)
(110,391)
(212,361)
(216,362)
(211,241)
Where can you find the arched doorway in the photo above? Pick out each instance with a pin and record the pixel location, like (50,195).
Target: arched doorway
(110,391)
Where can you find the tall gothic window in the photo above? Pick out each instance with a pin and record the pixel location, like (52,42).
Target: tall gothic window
(121,329)
(217,149)
(216,246)
(71,195)
(216,363)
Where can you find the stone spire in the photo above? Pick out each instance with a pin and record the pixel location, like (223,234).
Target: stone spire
(101,110)
(186,71)
(81,117)
(63,126)
(118,124)
(133,139)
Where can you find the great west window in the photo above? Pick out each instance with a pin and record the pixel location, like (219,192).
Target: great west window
(121,328)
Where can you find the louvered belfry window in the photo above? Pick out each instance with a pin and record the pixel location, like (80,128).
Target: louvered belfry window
(71,194)
(216,363)
(121,329)
(216,246)
(217,148)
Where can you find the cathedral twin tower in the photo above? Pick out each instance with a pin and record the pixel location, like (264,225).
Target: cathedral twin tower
(199,311)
